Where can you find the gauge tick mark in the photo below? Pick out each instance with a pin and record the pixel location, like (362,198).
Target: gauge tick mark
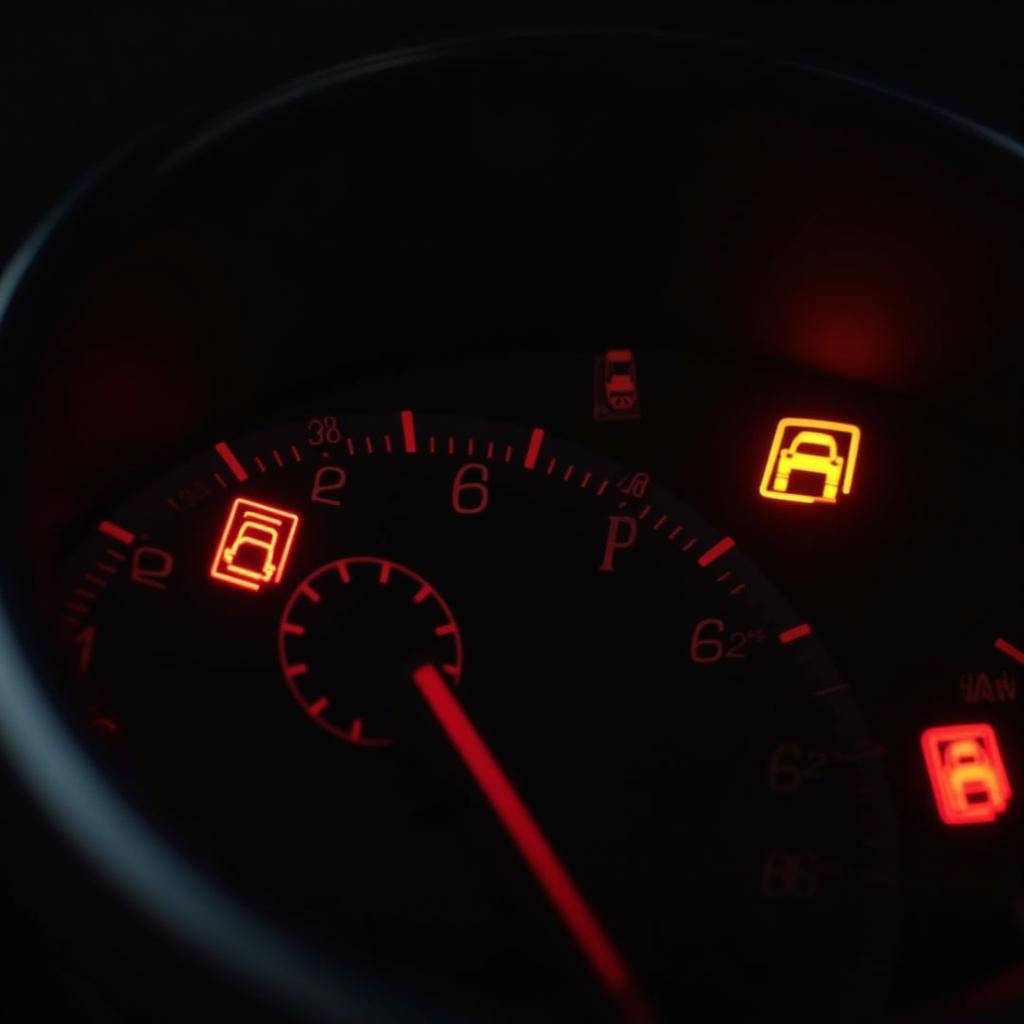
(829,690)
(787,636)
(715,552)
(118,533)
(1008,649)
(231,461)
(533,451)
(408,431)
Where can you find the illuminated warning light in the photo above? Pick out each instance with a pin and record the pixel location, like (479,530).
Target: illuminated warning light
(255,544)
(967,773)
(811,461)
(616,391)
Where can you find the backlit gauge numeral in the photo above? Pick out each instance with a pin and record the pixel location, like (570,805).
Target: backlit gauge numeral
(711,642)
(151,567)
(327,484)
(254,547)
(323,431)
(470,495)
(966,771)
(794,876)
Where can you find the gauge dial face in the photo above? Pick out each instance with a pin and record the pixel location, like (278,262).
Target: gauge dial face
(350,637)
(467,701)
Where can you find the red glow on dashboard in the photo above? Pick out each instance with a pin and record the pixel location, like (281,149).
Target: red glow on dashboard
(966,772)
(254,545)
(856,329)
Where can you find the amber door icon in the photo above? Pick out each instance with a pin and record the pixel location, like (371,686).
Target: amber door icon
(811,461)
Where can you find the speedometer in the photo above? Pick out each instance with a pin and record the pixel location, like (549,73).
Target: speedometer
(507,684)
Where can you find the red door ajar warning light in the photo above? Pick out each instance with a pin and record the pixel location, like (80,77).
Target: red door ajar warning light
(967,773)
(255,544)
(811,461)
(616,390)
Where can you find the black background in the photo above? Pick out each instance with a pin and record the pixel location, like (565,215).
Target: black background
(78,80)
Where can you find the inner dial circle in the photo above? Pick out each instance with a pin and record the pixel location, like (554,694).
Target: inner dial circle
(349,638)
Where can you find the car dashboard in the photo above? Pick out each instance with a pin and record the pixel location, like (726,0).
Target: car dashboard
(527,527)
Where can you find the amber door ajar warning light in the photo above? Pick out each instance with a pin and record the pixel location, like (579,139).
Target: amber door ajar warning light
(254,547)
(967,774)
(811,461)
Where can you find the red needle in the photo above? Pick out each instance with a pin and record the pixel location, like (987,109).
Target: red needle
(567,900)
